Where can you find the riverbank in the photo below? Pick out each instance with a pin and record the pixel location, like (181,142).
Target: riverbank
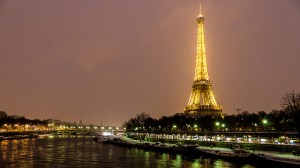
(254,147)
(12,137)
(252,156)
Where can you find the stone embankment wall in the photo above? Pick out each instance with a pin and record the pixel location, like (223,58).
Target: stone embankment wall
(278,148)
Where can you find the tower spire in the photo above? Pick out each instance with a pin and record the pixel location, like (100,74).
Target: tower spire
(202,100)
(200,11)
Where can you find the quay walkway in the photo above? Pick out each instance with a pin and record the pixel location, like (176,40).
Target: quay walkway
(255,156)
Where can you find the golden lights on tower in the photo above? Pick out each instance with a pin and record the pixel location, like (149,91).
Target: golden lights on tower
(202,100)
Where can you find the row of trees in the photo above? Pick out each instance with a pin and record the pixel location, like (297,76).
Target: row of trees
(287,118)
(13,119)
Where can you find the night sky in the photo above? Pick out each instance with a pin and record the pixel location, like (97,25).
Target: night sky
(108,60)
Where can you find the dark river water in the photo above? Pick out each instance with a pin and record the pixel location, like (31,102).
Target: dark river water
(72,151)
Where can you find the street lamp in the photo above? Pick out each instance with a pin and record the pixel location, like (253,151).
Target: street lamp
(255,125)
(217,125)
(223,127)
(265,122)
(174,127)
(195,127)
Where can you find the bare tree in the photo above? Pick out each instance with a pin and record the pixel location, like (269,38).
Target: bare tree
(141,118)
(290,102)
(137,122)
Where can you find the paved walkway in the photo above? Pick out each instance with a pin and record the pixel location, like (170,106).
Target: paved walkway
(272,153)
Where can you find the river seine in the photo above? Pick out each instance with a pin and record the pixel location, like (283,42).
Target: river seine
(77,151)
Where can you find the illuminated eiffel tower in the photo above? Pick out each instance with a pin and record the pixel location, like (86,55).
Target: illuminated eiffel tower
(202,100)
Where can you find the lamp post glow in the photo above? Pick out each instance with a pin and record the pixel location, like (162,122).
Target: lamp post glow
(174,127)
(217,125)
(265,122)
(196,127)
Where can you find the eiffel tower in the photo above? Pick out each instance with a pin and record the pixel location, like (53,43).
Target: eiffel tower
(202,100)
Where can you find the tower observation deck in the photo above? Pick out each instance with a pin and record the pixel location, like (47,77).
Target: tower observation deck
(202,100)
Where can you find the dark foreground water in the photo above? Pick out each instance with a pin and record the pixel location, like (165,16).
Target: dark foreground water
(72,151)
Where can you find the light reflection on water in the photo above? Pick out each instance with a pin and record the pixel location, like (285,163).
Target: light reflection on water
(71,151)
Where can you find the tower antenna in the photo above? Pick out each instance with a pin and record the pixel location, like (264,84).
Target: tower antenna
(200,12)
